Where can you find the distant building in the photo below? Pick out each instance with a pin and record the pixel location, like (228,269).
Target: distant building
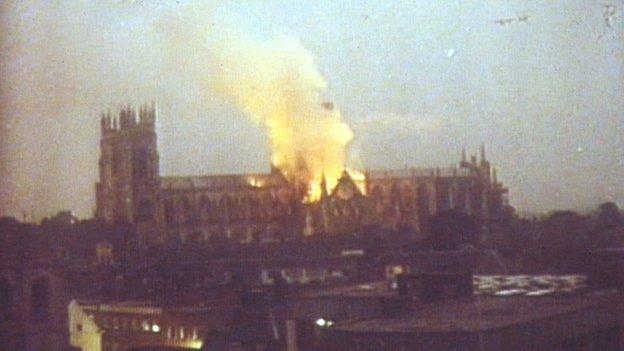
(124,326)
(257,207)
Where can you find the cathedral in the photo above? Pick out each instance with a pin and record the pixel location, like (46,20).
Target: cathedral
(267,206)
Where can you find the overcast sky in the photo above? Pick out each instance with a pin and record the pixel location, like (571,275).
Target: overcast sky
(541,83)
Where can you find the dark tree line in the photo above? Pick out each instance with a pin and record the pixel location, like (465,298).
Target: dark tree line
(557,241)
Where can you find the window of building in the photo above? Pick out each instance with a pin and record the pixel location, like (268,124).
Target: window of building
(141,164)
(40,298)
(169,212)
(144,212)
(5,299)
(423,202)
(206,209)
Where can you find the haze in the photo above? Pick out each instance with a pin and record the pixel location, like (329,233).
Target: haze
(540,83)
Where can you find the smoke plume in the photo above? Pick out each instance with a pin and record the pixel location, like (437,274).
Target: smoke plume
(276,83)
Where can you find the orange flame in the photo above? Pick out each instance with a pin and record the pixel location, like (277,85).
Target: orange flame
(277,84)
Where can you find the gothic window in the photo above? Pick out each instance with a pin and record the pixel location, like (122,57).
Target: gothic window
(395,198)
(5,299)
(275,206)
(226,206)
(406,198)
(246,207)
(423,201)
(117,160)
(140,164)
(189,214)
(443,200)
(255,208)
(40,298)
(169,212)
(206,208)
(377,194)
(144,212)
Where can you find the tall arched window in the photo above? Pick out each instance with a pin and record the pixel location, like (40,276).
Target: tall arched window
(5,299)
(395,199)
(206,209)
(40,298)
(377,193)
(140,164)
(423,201)
(169,212)
(226,207)
(189,212)
(144,212)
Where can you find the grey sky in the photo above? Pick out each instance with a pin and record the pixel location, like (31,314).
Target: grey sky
(415,80)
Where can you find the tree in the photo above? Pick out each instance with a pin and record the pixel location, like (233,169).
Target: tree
(609,226)
(565,231)
(452,229)
(609,216)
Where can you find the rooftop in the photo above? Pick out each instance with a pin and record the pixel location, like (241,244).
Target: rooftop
(484,285)
(484,313)
(374,289)
(419,172)
(223,181)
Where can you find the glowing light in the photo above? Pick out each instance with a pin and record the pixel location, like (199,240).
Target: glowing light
(194,344)
(331,180)
(155,328)
(323,323)
(256,183)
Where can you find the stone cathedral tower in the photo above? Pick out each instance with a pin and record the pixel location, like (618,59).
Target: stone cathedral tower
(128,189)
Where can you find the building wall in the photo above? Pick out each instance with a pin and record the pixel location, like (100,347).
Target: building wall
(245,214)
(34,310)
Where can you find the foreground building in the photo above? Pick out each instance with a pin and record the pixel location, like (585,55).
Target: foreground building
(124,326)
(257,207)
(450,310)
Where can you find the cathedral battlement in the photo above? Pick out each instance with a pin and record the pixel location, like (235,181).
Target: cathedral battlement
(127,119)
